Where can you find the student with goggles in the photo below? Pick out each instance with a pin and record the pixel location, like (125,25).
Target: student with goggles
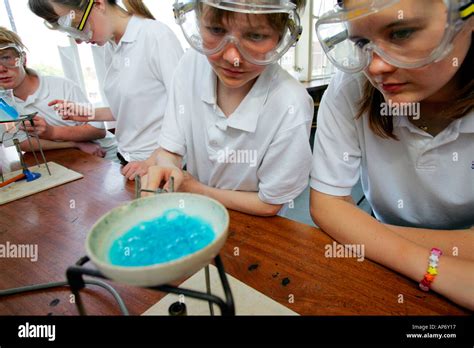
(31,92)
(400,118)
(242,122)
(141,55)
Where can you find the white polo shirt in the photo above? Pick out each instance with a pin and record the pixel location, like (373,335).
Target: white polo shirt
(262,147)
(418,181)
(49,89)
(139,71)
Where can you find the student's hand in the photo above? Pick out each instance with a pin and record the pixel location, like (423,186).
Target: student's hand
(91,149)
(41,128)
(189,184)
(131,170)
(159,177)
(73,112)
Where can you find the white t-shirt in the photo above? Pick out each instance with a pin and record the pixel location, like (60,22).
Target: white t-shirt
(139,71)
(262,147)
(418,181)
(49,89)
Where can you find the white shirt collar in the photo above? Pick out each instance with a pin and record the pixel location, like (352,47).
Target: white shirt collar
(245,117)
(41,92)
(467,123)
(463,125)
(131,32)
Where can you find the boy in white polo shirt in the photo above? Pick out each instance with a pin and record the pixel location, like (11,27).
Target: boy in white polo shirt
(405,126)
(241,121)
(33,92)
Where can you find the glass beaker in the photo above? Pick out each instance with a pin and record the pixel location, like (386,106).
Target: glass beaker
(8,110)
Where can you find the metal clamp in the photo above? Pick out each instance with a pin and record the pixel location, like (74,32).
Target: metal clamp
(139,190)
(22,120)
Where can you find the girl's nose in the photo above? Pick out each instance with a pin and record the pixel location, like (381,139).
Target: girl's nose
(232,54)
(378,66)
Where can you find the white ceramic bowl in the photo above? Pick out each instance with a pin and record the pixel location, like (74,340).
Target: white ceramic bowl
(120,220)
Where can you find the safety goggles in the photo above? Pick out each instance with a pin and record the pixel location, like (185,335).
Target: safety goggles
(73,25)
(209,29)
(407,34)
(11,56)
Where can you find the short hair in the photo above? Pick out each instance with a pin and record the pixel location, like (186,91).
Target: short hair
(8,37)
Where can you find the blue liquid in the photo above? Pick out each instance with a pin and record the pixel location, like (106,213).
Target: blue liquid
(166,238)
(7,112)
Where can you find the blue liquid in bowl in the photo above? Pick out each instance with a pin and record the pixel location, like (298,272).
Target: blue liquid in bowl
(166,238)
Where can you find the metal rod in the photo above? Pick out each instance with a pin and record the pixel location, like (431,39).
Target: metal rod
(138,186)
(31,144)
(79,304)
(76,282)
(139,190)
(230,306)
(208,288)
(16,142)
(40,148)
(10,15)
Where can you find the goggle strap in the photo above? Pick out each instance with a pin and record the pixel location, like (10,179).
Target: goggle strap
(17,48)
(188,7)
(467,10)
(86,15)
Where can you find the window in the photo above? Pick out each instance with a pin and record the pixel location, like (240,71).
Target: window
(310,61)
(90,73)
(163,11)
(321,66)
(42,43)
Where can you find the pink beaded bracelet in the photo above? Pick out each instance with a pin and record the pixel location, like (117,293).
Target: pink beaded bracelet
(432,271)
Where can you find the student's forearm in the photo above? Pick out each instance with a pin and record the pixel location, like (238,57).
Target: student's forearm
(163,158)
(46,145)
(77,133)
(458,243)
(349,225)
(245,202)
(103,114)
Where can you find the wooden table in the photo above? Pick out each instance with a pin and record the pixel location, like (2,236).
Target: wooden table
(282,259)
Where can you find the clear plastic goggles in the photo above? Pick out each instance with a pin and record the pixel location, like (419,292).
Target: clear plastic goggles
(11,56)
(73,25)
(408,34)
(209,29)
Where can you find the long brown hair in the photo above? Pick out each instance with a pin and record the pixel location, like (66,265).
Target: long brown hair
(43,8)
(382,126)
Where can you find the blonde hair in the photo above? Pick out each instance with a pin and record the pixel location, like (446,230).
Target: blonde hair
(9,37)
(138,8)
(43,8)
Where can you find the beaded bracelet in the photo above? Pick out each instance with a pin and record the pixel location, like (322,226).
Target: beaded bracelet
(432,271)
